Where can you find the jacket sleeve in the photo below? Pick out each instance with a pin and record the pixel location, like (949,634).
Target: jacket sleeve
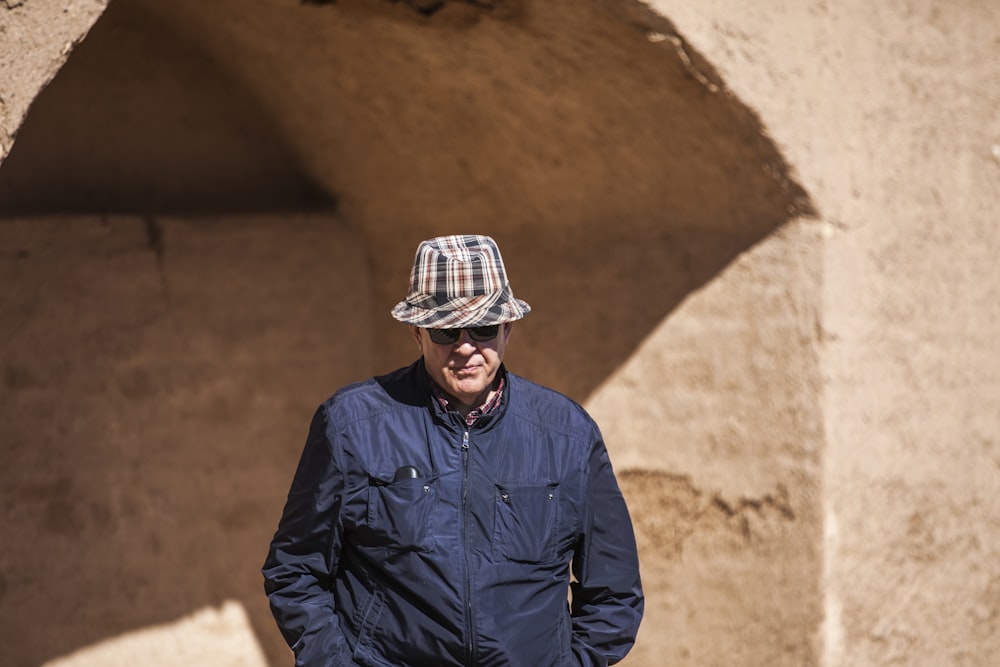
(303,555)
(607,599)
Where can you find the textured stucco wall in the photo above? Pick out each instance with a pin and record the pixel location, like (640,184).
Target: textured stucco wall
(766,364)
(36,38)
(152,373)
(719,405)
(888,113)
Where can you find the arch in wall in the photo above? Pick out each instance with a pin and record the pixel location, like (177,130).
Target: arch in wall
(603,153)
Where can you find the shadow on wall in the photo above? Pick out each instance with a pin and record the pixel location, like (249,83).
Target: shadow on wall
(160,364)
(140,120)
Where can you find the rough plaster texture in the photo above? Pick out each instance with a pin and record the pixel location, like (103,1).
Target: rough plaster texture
(36,38)
(150,370)
(729,445)
(888,114)
(800,391)
(219,636)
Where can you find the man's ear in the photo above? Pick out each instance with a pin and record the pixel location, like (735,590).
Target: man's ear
(415,332)
(507,328)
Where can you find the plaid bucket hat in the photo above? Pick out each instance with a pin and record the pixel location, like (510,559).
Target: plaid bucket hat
(459,281)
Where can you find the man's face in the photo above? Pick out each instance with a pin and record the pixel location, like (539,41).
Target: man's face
(466,368)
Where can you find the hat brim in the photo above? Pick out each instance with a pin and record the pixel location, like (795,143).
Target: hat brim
(478,311)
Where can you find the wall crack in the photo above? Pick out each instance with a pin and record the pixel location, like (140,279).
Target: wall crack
(154,238)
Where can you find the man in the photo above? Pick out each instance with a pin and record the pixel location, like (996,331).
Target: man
(440,514)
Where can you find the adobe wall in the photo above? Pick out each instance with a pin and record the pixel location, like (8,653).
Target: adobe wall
(37,38)
(157,385)
(888,114)
(737,325)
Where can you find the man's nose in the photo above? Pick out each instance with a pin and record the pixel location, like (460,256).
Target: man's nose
(464,337)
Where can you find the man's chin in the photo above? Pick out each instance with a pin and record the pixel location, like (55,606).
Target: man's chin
(468,389)
(471,387)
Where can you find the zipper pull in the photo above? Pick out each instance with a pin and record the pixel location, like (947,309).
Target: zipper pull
(465,441)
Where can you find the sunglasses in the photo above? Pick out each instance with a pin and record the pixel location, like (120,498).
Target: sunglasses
(449,336)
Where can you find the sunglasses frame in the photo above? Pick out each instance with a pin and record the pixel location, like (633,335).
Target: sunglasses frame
(451,336)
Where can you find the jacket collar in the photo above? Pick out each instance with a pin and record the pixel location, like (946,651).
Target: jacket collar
(426,387)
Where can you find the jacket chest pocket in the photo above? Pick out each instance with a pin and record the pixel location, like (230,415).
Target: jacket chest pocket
(526,520)
(399,513)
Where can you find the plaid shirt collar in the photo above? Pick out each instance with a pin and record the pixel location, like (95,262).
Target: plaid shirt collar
(484,409)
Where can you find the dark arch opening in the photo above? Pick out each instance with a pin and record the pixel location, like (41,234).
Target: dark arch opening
(604,154)
(141,120)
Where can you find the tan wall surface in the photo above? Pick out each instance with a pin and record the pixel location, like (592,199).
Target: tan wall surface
(36,38)
(721,400)
(148,382)
(768,361)
(888,113)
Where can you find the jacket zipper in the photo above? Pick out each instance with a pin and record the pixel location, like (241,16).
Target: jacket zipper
(469,639)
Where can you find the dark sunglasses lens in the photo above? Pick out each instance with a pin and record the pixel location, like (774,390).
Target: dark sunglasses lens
(483,334)
(449,336)
(444,336)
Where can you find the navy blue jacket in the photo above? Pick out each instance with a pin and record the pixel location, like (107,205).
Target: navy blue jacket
(469,561)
